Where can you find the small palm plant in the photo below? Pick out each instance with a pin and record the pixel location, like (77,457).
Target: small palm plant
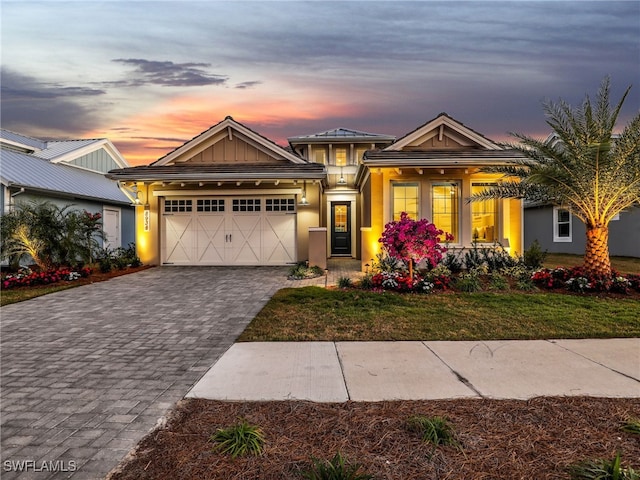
(239,439)
(335,469)
(603,470)
(632,425)
(434,430)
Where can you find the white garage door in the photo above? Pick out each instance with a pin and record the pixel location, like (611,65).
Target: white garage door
(229,231)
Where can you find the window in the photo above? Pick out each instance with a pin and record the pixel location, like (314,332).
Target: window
(561,225)
(359,155)
(320,156)
(341,157)
(171,206)
(340,220)
(280,205)
(210,205)
(484,216)
(405,199)
(445,199)
(246,205)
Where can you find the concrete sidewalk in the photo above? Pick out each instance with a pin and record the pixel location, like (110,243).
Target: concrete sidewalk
(377,371)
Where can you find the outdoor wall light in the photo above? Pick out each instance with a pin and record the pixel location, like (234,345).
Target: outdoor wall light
(136,194)
(303,199)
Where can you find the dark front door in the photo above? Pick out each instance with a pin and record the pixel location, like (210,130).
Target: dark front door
(340,228)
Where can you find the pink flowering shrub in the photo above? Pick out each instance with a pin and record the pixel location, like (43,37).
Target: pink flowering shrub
(413,241)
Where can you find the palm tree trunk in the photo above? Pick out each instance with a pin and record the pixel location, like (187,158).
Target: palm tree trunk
(596,258)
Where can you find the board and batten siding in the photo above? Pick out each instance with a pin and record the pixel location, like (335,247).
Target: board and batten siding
(99,161)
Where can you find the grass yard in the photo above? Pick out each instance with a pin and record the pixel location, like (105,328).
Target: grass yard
(318,314)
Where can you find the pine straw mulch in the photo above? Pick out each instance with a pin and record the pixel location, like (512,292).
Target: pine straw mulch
(500,439)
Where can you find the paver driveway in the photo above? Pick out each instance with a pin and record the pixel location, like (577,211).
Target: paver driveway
(87,372)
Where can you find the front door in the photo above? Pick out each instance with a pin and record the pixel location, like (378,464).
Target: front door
(340,228)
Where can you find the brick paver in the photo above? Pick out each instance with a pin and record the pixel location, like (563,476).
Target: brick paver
(87,372)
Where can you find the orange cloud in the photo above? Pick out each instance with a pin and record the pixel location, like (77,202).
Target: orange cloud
(148,135)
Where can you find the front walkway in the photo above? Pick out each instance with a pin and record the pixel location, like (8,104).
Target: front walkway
(381,371)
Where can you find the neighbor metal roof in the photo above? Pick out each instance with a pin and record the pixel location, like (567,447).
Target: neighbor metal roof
(56,148)
(16,138)
(24,170)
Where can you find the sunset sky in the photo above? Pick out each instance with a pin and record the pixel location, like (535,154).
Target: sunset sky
(151,75)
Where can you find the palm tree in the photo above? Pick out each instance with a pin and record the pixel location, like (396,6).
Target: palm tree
(582,166)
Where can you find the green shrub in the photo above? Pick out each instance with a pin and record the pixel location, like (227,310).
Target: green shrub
(452,262)
(366,282)
(603,470)
(49,235)
(498,282)
(239,439)
(345,282)
(433,430)
(534,257)
(468,282)
(385,263)
(302,270)
(335,469)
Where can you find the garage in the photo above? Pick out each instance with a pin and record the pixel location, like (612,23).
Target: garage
(229,230)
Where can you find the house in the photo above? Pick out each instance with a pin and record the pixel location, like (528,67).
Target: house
(67,172)
(230,196)
(430,173)
(558,231)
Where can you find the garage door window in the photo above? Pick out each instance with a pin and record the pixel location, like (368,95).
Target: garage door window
(210,205)
(280,205)
(246,204)
(178,206)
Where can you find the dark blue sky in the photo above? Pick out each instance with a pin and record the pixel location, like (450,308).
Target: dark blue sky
(150,75)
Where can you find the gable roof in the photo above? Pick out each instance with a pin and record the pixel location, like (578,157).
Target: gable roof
(22,170)
(441,121)
(230,126)
(59,151)
(338,135)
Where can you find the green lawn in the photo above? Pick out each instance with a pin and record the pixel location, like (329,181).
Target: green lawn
(317,314)
(21,294)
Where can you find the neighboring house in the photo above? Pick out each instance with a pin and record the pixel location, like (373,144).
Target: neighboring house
(67,172)
(230,196)
(558,231)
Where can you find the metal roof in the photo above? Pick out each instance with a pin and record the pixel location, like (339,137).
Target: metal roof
(57,148)
(24,170)
(221,171)
(342,134)
(22,140)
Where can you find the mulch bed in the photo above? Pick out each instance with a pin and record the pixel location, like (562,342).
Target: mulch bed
(501,439)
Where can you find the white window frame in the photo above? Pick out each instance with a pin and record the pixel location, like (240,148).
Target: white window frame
(459,225)
(556,226)
(395,184)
